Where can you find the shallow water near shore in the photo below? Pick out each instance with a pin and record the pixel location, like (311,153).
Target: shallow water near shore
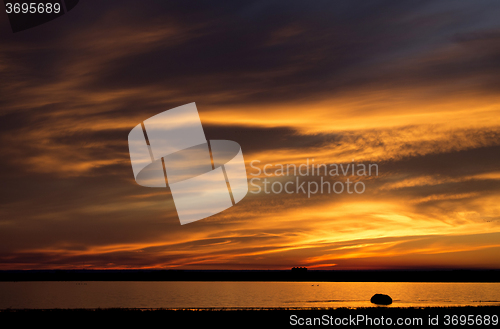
(188,294)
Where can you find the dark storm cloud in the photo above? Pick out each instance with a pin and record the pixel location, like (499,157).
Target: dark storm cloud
(449,164)
(268,51)
(273,52)
(72,89)
(261,51)
(254,139)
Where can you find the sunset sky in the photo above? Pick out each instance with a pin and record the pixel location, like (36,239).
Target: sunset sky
(412,86)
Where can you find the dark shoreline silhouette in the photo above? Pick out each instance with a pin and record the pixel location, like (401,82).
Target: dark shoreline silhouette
(252,275)
(262,317)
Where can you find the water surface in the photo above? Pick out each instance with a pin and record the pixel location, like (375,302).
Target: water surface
(183,294)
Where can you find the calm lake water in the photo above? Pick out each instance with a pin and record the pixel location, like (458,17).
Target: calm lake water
(183,294)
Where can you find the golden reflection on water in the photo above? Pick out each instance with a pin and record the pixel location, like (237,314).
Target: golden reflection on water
(184,294)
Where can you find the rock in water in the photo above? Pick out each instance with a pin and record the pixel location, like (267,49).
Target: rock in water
(381,299)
